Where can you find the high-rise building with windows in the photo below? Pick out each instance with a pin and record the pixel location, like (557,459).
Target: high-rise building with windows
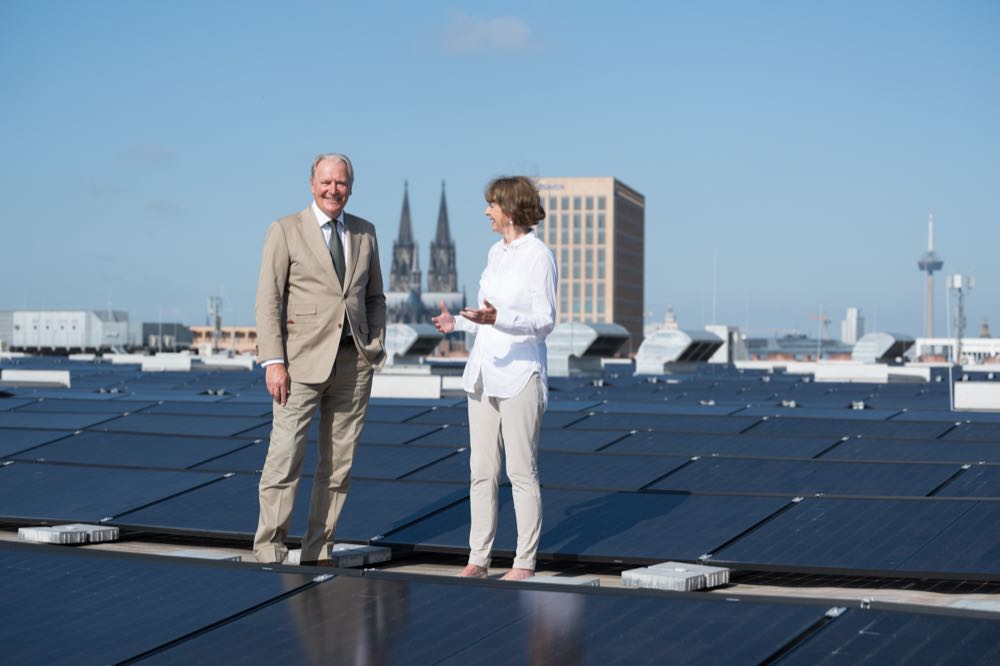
(595,228)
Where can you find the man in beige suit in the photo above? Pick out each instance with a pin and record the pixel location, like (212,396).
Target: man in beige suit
(320,336)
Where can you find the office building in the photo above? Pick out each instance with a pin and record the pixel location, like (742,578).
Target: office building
(595,227)
(852,328)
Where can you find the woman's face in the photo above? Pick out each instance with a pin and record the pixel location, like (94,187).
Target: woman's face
(497,217)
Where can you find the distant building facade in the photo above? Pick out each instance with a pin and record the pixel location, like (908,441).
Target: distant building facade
(595,226)
(852,328)
(239,339)
(406,301)
(64,331)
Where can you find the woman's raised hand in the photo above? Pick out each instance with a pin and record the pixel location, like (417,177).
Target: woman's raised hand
(444,322)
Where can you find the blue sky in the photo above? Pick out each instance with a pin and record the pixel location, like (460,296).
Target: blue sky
(789,152)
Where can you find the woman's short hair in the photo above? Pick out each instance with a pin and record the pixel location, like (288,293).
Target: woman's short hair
(518,197)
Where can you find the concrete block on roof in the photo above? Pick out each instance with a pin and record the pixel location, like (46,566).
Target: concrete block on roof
(75,533)
(676,577)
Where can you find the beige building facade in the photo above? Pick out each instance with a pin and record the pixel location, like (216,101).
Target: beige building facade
(596,229)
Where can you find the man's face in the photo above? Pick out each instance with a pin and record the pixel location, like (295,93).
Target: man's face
(330,187)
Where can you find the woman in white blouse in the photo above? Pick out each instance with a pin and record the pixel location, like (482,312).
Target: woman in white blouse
(505,376)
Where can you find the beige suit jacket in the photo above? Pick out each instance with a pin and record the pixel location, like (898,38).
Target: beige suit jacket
(301,305)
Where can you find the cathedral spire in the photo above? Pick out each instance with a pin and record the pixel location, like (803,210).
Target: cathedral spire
(405,226)
(404,276)
(442,275)
(443,236)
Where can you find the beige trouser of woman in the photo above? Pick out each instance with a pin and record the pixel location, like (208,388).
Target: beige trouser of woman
(509,425)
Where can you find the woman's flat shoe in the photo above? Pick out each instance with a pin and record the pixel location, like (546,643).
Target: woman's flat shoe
(518,574)
(472,571)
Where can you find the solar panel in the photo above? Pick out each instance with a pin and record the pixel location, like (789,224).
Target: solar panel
(947,416)
(878,637)
(666,423)
(599,526)
(50,421)
(791,427)
(807,477)
(460,416)
(915,450)
(230,507)
(374,432)
(14,441)
(375,461)
(8,404)
(842,412)
(700,444)
(848,534)
(186,424)
(110,407)
(132,450)
(983,432)
(70,493)
(661,407)
(428,622)
(77,606)
(227,408)
(977,481)
(570,405)
(966,546)
(579,470)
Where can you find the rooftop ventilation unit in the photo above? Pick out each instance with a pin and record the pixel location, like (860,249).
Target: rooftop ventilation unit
(673,351)
(576,348)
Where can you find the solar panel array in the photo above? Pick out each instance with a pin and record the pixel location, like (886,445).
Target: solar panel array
(709,466)
(79,606)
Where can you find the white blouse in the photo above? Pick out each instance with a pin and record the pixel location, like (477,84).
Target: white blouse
(520,282)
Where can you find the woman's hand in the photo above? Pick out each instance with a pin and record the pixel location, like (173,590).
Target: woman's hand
(444,322)
(486,315)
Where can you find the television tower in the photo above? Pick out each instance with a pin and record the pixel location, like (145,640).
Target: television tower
(928,263)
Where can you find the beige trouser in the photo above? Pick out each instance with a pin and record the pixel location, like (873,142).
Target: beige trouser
(510,425)
(342,401)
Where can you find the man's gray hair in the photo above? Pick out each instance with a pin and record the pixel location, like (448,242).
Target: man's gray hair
(337,157)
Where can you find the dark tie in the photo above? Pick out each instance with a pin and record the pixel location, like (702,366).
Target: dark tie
(337,251)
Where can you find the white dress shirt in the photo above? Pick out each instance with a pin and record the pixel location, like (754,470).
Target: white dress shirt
(520,282)
(325,227)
